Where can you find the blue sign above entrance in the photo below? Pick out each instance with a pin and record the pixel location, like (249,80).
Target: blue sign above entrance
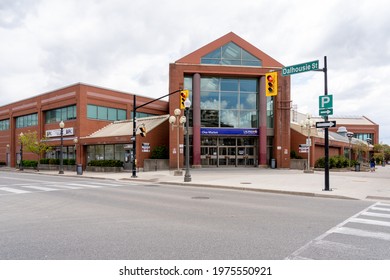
(229,131)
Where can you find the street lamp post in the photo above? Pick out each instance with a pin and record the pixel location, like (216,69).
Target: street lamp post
(177,122)
(62,125)
(21,152)
(350,135)
(75,141)
(369,141)
(308,124)
(187,176)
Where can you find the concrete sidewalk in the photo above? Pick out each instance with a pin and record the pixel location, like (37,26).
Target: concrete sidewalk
(348,185)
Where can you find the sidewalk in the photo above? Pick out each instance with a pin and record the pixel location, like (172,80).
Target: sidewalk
(347,185)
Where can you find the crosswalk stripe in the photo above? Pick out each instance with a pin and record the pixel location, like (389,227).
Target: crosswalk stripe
(372,214)
(84,185)
(363,233)
(12,190)
(370,222)
(381,209)
(65,187)
(39,188)
(106,184)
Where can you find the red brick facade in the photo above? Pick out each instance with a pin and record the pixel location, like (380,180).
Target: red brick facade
(80,95)
(190,65)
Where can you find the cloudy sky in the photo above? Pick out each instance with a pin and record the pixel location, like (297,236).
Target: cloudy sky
(127,45)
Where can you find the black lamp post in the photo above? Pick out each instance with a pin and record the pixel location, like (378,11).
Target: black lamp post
(62,145)
(187,104)
(350,135)
(21,152)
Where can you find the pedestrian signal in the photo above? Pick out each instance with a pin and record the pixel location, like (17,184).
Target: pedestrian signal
(183,97)
(271,88)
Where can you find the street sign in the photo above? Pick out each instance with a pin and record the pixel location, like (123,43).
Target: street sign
(326,112)
(303,148)
(325,124)
(299,68)
(325,105)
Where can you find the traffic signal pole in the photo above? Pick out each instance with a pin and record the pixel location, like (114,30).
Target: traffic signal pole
(134,138)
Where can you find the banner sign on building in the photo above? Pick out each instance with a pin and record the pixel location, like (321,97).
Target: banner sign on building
(57,132)
(229,131)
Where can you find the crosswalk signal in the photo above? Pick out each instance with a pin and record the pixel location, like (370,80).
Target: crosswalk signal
(183,97)
(271,88)
(143,131)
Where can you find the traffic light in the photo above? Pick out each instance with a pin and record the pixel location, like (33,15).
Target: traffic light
(183,97)
(271,87)
(143,131)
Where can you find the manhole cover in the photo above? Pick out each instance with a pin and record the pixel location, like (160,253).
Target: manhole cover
(200,197)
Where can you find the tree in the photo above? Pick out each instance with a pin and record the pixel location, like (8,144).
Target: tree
(32,144)
(359,148)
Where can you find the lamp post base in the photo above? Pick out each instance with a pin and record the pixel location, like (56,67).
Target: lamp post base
(187,178)
(61,172)
(308,171)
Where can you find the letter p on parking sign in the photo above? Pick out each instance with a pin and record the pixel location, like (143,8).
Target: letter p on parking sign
(326,101)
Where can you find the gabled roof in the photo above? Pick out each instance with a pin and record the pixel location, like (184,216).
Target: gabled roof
(195,57)
(125,128)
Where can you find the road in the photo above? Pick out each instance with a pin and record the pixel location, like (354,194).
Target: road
(53,217)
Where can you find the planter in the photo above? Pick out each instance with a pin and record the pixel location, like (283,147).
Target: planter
(103,169)
(156,164)
(56,167)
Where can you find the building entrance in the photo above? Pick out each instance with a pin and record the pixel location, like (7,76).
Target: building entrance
(229,151)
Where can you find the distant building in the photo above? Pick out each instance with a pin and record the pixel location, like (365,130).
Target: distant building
(339,143)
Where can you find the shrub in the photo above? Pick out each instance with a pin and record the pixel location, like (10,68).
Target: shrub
(54,161)
(2,163)
(334,162)
(30,163)
(106,163)
(160,152)
(44,161)
(294,155)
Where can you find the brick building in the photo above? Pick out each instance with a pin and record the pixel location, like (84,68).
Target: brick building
(233,122)
(84,109)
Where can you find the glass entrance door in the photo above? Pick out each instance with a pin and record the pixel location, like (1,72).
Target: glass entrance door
(228,151)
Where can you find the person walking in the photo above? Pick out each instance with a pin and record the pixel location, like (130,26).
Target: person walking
(372,164)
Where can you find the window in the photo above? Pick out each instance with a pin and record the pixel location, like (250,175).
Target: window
(4,125)
(105,113)
(231,54)
(27,120)
(105,152)
(229,102)
(60,114)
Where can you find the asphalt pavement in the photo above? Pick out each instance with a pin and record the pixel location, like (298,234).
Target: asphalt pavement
(346,184)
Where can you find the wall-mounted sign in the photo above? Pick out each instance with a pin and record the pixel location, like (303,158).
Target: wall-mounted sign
(57,132)
(145,147)
(229,131)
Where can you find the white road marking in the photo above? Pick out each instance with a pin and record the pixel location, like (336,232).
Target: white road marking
(370,222)
(38,188)
(363,233)
(12,190)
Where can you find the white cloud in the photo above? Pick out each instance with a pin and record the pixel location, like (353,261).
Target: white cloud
(128,45)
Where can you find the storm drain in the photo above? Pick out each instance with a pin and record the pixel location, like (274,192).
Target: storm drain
(245,183)
(200,197)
